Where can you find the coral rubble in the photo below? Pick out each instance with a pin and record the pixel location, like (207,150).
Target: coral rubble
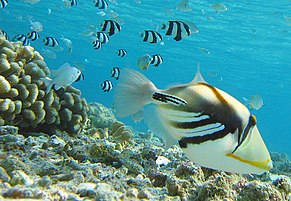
(87,167)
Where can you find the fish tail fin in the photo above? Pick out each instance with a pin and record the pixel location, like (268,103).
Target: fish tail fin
(132,92)
(48,82)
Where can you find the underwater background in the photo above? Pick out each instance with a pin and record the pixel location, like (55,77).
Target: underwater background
(245,50)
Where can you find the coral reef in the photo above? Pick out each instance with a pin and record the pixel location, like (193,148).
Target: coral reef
(87,167)
(23,100)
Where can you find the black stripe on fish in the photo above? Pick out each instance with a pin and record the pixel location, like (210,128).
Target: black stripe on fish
(106,86)
(74,2)
(111,27)
(50,41)
(101,4)
(121,52)
(222,114)
(152,36)
(97,44)
(243,135)
(176,28)
(3,3)
(167,98)
(33,35)
(115,72)
(22,38)
(81,77)
(156,60)
(102,37)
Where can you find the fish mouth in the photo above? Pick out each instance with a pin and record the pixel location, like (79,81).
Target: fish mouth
(253,151)
(264,165)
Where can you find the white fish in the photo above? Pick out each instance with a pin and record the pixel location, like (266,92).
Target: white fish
(255,102)
(219,7)
(36,26)
(144,61)
(64,76)
(213,128)
(68,43)
(50,54)
(31,1)
(184,6)
(91,29)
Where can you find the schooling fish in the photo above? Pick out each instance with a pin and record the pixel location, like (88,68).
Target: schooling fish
(22,38)
(33,35)
(219,7)
(121,52)
(213,128)
(64,76)
(144,61)
(50,41)
(184,6)
(96,44)
(151,36)
(110,27)
(68,43)
(255,102)
(106,86)
(178,29)
(101,4)
(115,72)
(3,3)
(156,60)
(102,37)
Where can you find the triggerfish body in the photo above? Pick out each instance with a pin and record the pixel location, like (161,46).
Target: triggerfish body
(63,76)
(213,128)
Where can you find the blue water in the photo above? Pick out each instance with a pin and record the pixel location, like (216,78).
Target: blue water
(249,45)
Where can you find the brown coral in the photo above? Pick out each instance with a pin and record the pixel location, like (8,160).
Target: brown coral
(120,132)
(23,100)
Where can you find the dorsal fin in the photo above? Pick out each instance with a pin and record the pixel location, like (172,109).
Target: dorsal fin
(198,77)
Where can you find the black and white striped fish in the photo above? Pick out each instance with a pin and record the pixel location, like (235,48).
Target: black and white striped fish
(106,86)
(121,52)
(213,128)
(96,44)
(151,36)
(3,3)
(156,60)
(22,38)
(115,73)
(178,29)
(50,41)
(110,27)
(101,4)
(102,37)
(33,35)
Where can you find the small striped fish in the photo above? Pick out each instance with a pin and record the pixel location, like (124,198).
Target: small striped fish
(110,27)
(213,129)
(3,3)
(151,36)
